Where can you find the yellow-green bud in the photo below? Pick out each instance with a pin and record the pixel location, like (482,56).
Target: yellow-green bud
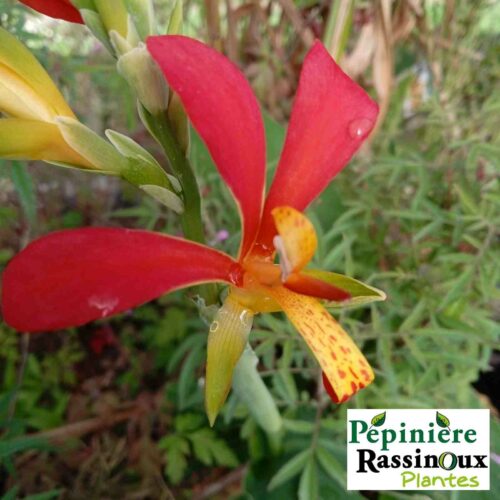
(143,75)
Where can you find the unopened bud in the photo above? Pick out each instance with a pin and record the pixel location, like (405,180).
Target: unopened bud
(142,14)
(143,75)
(98,152)
(114,15)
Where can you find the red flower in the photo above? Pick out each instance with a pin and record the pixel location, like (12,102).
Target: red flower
(59,9)
(71,277)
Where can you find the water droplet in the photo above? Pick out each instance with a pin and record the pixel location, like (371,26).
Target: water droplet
(360,128)
(246,317)
(214,326)
(103,303)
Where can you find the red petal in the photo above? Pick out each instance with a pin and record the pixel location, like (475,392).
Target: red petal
(331,392)
(69,278)
(59,9)
(225,112)
(331,117)
(307,285)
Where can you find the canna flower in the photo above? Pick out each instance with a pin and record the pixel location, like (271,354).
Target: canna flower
(59,9)
(69,278)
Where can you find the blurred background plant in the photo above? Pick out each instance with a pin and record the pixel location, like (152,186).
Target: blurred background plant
(115,409)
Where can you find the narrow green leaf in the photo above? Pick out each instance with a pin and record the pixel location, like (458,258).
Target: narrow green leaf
(331,466)
(25,190)
(290,469)
(309,485)
(298,426)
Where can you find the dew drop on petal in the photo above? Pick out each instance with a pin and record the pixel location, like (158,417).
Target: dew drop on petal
(359,128)
(214,326)
(246,318)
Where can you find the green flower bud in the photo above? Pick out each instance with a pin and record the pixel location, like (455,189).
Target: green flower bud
(146,78)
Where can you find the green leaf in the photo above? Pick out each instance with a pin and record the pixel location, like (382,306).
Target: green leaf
(11,494)
(25,190)
(177,449)
(332,466)
(378,420)
(211,450)
(254,394)
(189,422)
(361,293)
(298,426)
(309,485)
(290,469)
(441,420)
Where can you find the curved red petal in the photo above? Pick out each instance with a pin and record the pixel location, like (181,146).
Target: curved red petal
(59,9)
(225,112)
(69,278)
(331,117)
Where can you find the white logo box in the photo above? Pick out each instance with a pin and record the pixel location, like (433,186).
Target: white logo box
(435,449)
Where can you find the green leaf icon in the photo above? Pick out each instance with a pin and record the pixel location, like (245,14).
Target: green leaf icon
(441,420)
(378,420)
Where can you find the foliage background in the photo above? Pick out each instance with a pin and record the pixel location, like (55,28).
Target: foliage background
(114,409)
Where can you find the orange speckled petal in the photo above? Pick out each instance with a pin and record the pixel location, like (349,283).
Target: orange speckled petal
(298,237)
(343,364)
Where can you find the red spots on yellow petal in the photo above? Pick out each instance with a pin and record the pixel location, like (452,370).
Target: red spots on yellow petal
(341,361)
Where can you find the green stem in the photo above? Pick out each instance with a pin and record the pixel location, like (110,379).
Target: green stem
(191,218)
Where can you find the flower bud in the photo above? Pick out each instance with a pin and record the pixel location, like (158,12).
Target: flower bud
(142,14)
(100,154)
(146,78)
(114,15)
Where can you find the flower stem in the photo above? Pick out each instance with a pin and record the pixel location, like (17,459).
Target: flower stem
(191,217)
